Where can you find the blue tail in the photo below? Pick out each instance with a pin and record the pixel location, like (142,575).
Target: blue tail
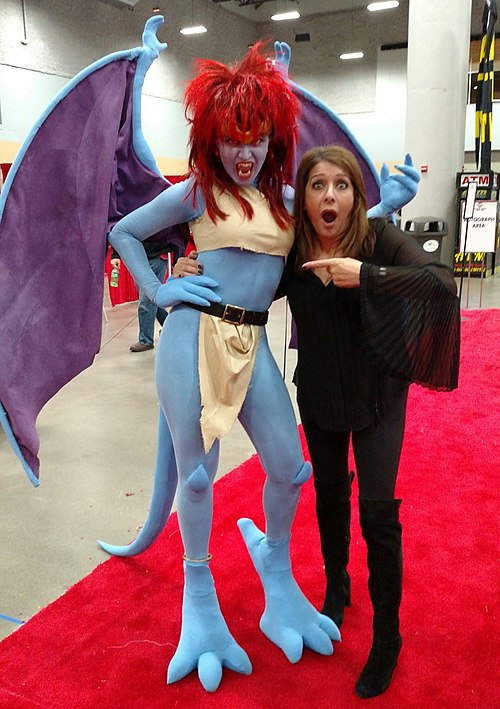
(164,488)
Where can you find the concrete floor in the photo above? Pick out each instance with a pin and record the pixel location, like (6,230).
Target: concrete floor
(97,457)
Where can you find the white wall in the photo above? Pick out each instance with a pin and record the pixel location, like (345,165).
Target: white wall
(24,94)
(382,131)
(64,36)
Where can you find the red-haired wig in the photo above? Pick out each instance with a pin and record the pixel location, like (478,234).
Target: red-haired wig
(239,98)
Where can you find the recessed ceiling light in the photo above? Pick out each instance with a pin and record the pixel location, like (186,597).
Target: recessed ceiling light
(198,29)
(352,55)
(385,5)
(293,15)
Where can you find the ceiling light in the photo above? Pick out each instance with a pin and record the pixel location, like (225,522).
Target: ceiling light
(293,15)
(386,5)
(198,29)
(352,55)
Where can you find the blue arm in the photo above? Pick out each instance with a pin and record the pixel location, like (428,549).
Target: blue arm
(173,206)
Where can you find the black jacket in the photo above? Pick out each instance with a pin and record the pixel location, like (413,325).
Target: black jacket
(356,345)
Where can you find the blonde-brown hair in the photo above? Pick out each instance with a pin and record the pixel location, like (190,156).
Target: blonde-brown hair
(356,240)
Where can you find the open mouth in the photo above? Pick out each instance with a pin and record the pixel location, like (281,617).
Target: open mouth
(244,170)
(329,216)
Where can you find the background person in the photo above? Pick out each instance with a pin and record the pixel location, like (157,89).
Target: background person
(157,249)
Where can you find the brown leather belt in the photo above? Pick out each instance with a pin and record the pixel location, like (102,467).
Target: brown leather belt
(233,313)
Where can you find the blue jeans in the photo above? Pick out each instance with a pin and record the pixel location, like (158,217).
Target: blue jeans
(148,311)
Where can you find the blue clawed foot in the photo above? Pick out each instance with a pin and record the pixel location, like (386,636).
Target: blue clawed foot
(289,620)
(206,643)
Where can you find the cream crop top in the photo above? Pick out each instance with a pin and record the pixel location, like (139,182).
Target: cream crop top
(260,234)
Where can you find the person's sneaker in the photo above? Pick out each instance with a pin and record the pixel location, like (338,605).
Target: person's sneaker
(141,347)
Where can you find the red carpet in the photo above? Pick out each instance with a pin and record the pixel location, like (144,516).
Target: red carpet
(106,643)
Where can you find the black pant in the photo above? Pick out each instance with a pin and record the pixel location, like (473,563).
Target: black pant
(376,448)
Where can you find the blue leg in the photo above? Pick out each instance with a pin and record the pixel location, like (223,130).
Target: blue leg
(289,619)
(206,643)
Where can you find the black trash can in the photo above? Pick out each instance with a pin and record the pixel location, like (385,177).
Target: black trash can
(429,232)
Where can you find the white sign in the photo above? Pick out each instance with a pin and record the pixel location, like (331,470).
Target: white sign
(470,200)
(479,231)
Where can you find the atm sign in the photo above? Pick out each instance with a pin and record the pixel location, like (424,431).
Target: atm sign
(481,180)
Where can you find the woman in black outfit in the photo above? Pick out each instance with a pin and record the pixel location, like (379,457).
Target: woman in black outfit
(373,313)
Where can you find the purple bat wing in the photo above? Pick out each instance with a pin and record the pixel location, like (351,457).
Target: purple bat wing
(76,174)
(319,125)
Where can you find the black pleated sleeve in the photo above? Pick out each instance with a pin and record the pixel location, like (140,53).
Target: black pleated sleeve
(410,311)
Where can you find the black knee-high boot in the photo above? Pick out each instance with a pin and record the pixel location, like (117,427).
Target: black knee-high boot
(333,511)
(382,532)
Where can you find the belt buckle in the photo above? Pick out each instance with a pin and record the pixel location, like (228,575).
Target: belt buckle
(233,314)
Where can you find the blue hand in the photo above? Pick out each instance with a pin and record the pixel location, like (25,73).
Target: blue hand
(149,38)
(289,620)
(206,642)
(282,55)
(396,190)
(193,289)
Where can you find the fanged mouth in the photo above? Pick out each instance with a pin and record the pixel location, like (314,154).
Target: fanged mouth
(244,170)
(329,216)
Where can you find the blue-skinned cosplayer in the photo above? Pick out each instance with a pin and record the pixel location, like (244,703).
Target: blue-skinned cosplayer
(249,125)
(214,362)
(215,365)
